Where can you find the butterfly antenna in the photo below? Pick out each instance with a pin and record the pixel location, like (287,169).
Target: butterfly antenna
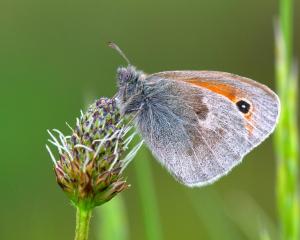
(116,47)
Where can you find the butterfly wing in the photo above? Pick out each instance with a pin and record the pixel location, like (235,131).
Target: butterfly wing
(196,126)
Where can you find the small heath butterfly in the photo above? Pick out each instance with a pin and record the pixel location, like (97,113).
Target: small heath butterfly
(198,124)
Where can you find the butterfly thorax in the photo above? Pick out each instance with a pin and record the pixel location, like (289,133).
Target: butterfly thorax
(130,95)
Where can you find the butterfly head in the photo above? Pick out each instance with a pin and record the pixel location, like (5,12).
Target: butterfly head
(130,84)
(127,75)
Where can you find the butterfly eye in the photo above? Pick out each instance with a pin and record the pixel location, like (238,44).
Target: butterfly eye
(126,74)
(243,106)
(123,74)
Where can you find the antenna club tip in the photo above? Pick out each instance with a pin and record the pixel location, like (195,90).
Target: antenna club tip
(111,44)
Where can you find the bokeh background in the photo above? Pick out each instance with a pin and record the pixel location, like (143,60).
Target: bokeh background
(54,61)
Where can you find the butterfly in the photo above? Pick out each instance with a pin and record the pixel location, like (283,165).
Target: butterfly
(198,124)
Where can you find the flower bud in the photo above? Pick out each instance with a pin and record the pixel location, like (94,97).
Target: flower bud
(93,157)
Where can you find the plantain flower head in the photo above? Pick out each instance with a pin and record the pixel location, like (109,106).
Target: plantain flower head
(91,160)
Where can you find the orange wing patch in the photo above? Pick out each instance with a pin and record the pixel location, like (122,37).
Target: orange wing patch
(228,91)
(224,89)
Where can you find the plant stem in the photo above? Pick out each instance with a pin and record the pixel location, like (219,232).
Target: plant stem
(286,134)
(148,197)
(286,26)
(83,217)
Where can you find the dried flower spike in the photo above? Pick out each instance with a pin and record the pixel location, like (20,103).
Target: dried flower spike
(92,159)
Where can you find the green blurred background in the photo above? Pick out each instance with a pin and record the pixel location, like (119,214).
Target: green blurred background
(54,61)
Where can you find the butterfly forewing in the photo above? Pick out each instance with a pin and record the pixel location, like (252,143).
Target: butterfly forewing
(199,124)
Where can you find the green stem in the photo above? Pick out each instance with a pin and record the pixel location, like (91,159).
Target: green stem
(287,139)
(83,217)
(286,25)
(148,198)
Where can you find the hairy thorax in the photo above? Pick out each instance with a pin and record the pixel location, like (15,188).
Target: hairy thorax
(131,94)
